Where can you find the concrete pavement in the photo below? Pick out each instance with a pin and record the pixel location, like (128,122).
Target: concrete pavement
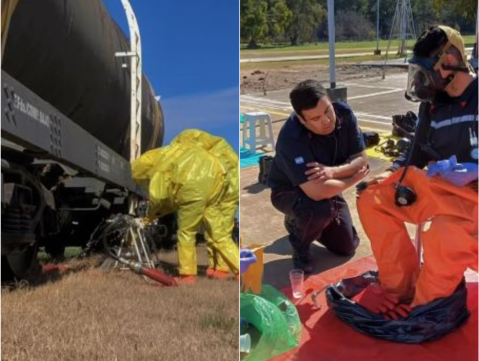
(374,101)
(267,59)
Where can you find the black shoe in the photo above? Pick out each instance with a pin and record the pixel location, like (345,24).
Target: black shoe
(302,260)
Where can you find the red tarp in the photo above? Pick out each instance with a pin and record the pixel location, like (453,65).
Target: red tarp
(326,338)
(55,269)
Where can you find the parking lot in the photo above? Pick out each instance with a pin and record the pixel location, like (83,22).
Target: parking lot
(373,100)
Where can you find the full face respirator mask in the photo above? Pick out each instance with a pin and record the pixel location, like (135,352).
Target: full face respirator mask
(424,81)
(424,77)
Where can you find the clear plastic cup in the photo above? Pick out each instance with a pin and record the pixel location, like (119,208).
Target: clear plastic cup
(296,277)
(245,343)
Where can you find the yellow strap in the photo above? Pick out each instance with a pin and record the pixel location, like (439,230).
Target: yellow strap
(8,7)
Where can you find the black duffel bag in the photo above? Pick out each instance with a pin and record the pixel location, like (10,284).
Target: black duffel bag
(404,125)
(370,139)
(265,162)
(424,323)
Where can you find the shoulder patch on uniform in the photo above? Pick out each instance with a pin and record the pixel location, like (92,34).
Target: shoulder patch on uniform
(299,160)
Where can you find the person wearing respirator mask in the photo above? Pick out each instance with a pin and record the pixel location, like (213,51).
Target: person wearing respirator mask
(446,142)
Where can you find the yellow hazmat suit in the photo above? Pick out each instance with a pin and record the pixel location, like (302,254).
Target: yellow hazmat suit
(219,217)
(186,178)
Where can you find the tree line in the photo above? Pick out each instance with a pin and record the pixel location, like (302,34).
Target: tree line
(297,22)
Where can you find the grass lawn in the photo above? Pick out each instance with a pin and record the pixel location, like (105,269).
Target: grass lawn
(90,314)
(324,46)
(70,252)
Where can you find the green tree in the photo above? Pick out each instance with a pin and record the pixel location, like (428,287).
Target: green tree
(459,14)
(466,9)
(367,9)
(423,15)
(253,21)
(352,25)
(279,19)
(359,6)
(307,18)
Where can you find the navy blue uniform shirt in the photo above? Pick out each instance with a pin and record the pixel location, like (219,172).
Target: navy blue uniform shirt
(296,146)
(449,126)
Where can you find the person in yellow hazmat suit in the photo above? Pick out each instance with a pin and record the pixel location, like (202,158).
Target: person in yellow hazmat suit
(219,217)
(185,178)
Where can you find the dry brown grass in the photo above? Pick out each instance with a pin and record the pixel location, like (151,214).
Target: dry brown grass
(93,315)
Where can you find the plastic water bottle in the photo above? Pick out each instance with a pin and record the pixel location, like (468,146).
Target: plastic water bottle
(245,343)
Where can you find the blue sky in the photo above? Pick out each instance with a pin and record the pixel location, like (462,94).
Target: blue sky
(191,56)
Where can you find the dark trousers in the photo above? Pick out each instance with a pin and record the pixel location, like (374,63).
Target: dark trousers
(327,221)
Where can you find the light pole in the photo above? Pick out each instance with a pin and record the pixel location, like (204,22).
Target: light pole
(331,36)
(335,93)
(377,51)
